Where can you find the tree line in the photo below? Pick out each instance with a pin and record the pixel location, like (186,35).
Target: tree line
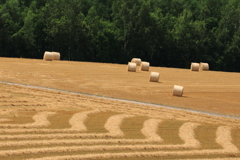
(170,33)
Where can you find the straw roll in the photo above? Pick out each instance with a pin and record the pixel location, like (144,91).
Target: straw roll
(154,76)
(204,66)
(144,66)
(194,66)
(138,61)
(56,55)
(132,67)
(177,90)
(48,56)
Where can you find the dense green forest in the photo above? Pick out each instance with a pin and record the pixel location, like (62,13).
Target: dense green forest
(170,33)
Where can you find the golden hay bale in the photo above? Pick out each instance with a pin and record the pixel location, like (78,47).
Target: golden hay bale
(203,67)
(144,66)
(56,55)
(194,66)
(154,76)
(138,61)
(132,67)
(177,90)
(48,56)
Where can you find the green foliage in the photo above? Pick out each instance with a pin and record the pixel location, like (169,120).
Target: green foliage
(11,20)
(189,37)
(170,33)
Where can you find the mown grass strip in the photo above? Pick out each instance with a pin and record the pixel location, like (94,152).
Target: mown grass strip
(206,135)
(95,122)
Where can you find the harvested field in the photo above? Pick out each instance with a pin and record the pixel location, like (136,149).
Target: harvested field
(44,124)
(211,91)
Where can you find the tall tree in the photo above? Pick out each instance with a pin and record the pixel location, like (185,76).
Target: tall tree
(65,27)
(189,38)
(11,21)
(228,34)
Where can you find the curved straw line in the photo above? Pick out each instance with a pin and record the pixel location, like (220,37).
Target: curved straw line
(75,142)
(125,155)
(76,122)
(40,120)
(149,125)
(185,129)
(150,128)
(223,137)
(112,125)
(55,136)
(128,101)
(69,149)
(186,133)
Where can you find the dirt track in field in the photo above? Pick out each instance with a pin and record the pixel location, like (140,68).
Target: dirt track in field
(209,91)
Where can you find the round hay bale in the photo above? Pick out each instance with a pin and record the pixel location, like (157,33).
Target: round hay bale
(177,90)
(138,61)
(154,76)
(144,66)
(56,55)
(204,66)
(194,66)
(48,56)
(132,67)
